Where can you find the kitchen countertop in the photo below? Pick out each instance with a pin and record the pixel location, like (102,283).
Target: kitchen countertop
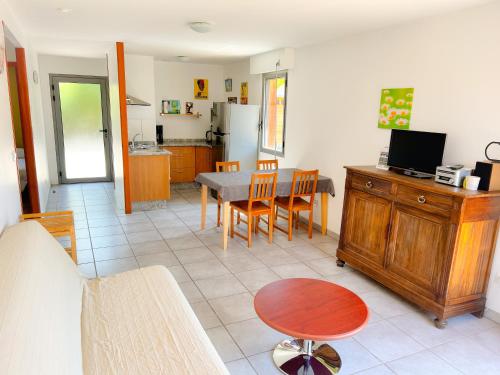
(185,143)
(149,152)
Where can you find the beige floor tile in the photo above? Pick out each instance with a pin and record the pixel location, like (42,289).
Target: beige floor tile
(97,223)
(328,247)
(256,279)
(234,308)
(468,355)
(242,263)
(87,270)
(189,241)
(111,267)
(85,256)
(240,367)
(306,252)
(422,363)
(327,266)
(295,270)
(377,370)
(469,325)
(275,257)
(106,241)
(191,292)
(220,286)
(355,281)
(179,274)
(166,259)
(206,315)
(490,339)
(254,337)
(112,252)
(206,269)
(138,227)
(387,342)
(224,344)
(106,230)
(354,356)
(263,364)
(387,304)
(150,247)
(198,254)
(420,326)
(83,244)
(141,237)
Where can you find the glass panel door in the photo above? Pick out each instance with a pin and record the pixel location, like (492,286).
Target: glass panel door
(82,128)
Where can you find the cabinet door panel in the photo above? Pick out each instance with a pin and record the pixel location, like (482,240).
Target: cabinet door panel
(417,247)
(367,225)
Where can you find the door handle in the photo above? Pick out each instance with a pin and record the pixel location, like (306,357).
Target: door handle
(105,131)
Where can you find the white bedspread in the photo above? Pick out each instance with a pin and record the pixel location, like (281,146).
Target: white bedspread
(139,322)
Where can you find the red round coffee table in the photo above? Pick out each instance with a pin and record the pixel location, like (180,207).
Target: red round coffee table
(310,310)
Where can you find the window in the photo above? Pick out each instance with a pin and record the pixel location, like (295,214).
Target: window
(274,113)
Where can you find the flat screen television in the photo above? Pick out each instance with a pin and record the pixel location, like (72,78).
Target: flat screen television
(416,153)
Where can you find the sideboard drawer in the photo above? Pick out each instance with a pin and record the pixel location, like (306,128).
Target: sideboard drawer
(424,199)
(371,184)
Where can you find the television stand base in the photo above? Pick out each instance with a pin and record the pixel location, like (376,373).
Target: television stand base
(414,174)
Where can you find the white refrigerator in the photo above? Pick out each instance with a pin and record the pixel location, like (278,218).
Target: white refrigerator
(238,125)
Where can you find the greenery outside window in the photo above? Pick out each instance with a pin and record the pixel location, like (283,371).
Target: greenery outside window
(274,113)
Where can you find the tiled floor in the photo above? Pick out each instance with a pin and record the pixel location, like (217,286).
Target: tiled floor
(220,287)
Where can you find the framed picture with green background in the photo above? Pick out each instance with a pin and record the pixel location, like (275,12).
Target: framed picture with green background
(395,108)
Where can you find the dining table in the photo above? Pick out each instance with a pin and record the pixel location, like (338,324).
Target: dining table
(235,186)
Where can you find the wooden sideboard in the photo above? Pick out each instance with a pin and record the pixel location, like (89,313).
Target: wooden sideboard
(431,243)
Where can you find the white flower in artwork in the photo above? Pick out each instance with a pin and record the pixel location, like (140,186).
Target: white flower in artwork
(404,112)
(409,104)
(409,95)
(389,99)
(384,107)
(383,120)
(401,121)
(386,92)
(400,102)
(392,112)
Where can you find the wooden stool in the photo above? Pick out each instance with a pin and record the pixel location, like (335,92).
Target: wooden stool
(59,224)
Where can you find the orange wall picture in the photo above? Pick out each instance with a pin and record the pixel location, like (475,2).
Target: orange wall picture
(200,88)
(244,93)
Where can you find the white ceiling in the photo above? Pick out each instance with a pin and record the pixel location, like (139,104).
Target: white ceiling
(241,27)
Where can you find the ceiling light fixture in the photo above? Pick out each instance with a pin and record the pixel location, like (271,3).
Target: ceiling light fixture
(201,26)
(183,58)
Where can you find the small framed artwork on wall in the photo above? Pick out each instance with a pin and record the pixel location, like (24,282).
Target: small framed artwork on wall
(244,93)
(228,84)
(395,108)
(172,107)
(189,108)
(232,100)
(201,88)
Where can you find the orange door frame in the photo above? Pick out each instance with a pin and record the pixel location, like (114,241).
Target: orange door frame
(26,128)
(122,94)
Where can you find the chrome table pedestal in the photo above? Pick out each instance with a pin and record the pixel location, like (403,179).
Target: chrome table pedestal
(306,357)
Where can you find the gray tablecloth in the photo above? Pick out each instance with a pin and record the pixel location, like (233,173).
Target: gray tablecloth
(235,186)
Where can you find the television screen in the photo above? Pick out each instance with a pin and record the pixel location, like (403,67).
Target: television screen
(416,151)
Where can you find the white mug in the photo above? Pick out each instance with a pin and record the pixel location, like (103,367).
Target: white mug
(471,182)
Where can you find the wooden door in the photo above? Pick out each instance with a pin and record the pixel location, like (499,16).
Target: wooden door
(204,162)
(417,248)
(367,225)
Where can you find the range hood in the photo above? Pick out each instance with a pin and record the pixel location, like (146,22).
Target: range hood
(132,100)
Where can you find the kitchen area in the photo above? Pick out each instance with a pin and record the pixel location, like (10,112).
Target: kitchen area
(176,132)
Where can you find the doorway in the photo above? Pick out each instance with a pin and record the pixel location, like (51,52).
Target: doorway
(82,131)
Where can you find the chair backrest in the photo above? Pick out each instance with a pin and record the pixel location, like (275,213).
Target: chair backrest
(267,164)
(40,304)
(262,188)
(304,185)
(227,166)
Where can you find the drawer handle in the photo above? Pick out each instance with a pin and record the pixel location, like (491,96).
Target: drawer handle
(421,199)
(369,184)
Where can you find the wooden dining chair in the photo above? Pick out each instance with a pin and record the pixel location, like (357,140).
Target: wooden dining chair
(260,202)
(267,164)
(59,224)
(301,199)
(225,166)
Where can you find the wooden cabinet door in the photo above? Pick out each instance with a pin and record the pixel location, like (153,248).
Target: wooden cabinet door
(367,225)
(417,248)
(204,162)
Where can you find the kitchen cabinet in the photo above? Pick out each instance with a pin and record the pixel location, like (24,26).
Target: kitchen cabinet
(431,243)
(188,161)
(149,177)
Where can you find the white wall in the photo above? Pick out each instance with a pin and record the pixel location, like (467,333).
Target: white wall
(452,62)
(140,76)
(174,80)
(10,204)
(116,139)
(50,64)
(240,72)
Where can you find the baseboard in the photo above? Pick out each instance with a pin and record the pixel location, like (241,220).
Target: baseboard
(317,227)
(492,315)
